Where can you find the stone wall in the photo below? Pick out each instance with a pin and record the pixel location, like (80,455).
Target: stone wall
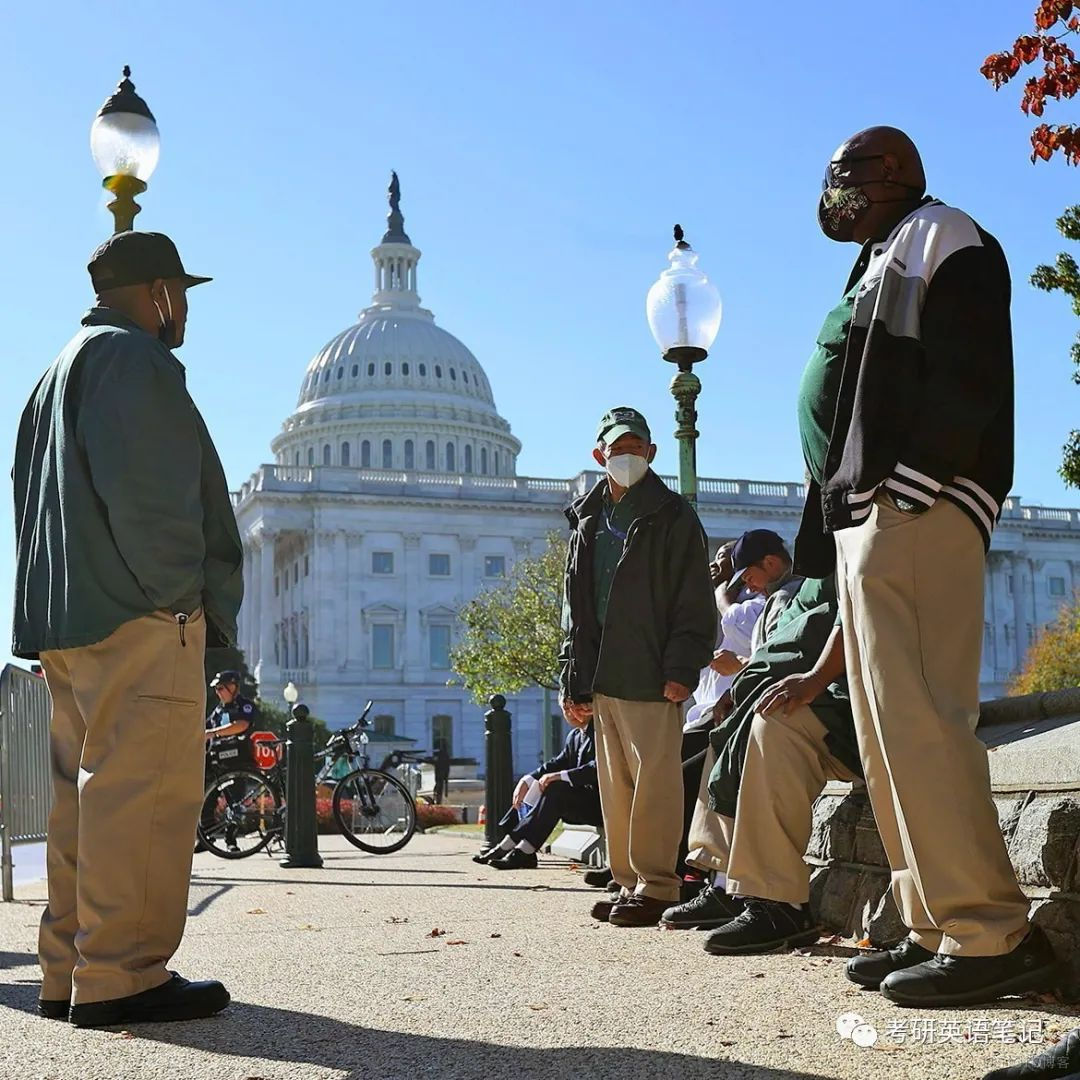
(850,885)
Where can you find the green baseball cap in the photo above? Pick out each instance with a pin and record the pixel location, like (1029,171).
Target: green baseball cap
(622,420)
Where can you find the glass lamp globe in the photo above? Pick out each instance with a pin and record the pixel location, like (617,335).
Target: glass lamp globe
(683,307)
(124,139)
(290,693)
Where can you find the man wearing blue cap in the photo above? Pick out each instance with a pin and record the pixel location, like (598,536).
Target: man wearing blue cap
(128,561)
(640,625)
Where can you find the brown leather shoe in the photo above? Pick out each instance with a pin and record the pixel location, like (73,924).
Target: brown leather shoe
(602,909)
(638,910)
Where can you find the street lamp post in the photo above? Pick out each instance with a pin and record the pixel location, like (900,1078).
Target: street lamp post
(125,143)
(684,310)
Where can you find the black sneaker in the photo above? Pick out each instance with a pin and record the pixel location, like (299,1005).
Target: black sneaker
(1060,1062)
(870,968)
(764,926)
(176,999)
(972,980)
(598,879)
(711,907)
(515,859)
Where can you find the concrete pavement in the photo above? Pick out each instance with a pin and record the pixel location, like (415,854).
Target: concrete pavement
(336,975)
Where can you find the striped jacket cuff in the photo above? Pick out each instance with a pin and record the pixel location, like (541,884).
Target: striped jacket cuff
(913,485)
(976,502)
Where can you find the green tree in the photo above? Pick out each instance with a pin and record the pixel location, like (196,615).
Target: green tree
(512,631)
(1053,662)
(1064,275)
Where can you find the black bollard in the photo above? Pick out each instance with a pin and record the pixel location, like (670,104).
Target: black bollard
(301,822)
(499,776)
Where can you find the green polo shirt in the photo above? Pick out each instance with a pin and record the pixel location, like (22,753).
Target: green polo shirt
(611,532)
(821,384)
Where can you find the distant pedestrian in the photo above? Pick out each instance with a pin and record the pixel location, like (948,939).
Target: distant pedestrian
(640,623)
(128,561)
(906,416)
(441,759)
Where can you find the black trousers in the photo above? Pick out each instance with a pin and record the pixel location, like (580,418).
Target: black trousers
(560,802)
(694,745)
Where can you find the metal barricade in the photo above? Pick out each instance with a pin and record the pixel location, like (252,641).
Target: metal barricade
(26,791)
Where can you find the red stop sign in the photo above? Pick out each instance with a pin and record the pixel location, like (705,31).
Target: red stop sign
(266,748)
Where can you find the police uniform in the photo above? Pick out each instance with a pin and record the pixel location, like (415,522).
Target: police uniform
(232,751)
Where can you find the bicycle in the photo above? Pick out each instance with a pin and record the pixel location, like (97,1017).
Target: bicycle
(244,810)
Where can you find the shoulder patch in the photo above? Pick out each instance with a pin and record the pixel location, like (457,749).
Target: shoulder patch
(248,708)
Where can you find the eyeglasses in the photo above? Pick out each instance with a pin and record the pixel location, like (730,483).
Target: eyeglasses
(836,171)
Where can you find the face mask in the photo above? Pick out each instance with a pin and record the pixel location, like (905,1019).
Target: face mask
(167,329)
(627,469)
(842,206)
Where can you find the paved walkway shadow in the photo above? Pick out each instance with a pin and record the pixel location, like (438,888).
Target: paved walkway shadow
(286,1036)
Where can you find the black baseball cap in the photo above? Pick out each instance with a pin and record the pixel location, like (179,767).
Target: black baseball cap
(752,547)
(137,258)
(622,420)
(225,678)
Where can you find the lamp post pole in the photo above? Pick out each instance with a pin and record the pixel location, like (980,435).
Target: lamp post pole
(684,310)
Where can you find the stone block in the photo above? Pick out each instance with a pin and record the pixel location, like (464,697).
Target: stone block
(832,834)
(868,846)
(1060,919)
(832,889)
(1046,841)
(1008,808)
(883,925)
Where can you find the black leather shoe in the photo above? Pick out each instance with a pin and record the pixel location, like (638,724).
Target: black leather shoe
(1060,1062)
(764,926)
(711,907)
(176,999)
(53,1008)
(871,968)
(598,879)
(515,859)
(637,910)
(488,854)
(972,980)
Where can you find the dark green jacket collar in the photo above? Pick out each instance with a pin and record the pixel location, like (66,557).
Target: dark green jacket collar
(651,493)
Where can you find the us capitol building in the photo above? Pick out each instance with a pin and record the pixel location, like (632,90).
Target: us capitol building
(393,497)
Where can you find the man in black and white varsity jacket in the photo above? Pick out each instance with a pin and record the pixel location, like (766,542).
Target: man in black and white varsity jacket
(906,418)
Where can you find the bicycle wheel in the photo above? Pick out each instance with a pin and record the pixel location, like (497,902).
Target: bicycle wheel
(241,814)
(375,811)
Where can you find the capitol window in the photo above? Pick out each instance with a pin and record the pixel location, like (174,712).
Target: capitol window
(439,646)
(423,370)
(326,375)
(355,370)
(296,458)
(326,454)
(404,369)
(465,376)
(387,454)
(468,459)
(382,646)
(341,373)
(344,453)
(453,375)
(438,372)
(483,461)
(365,455)
(410,456)
(370,370)
(450,463)
(439,565)
(429,454)
(382,562)
(383,726)
(387,368)
(494,566)
(1057,586)
(311,455)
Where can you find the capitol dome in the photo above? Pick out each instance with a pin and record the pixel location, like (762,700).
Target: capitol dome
(395,391)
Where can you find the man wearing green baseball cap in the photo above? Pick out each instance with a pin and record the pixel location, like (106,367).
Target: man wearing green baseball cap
(640,624)
(128,560)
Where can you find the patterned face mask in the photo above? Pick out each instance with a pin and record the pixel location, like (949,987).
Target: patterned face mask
(843,203)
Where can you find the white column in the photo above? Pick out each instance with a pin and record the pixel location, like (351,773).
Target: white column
(1019,616)
(414,662)
(341,599)
(266,603)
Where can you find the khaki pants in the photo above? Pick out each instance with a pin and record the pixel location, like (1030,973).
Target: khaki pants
(761,849)
(911,601)
(127,762)
(639,765)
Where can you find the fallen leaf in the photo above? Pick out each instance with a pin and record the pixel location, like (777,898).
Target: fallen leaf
(727,1042)
(496,935)
(758,975)
(784,1035)
(537,1008)
(863,943)
(517,954)
(288,892)
(459,942)
(437,933)
(256,911)
(414,997)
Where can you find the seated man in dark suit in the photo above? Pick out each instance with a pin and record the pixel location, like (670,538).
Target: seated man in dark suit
(562,789)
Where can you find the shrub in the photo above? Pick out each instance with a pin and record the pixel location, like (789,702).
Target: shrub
(1053,662)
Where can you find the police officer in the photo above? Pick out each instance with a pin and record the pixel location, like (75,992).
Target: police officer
(235,714)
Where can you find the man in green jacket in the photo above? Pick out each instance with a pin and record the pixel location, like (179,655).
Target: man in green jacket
(640,625)
(128,561)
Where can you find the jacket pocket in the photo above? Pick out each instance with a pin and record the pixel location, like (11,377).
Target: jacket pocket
(164,699)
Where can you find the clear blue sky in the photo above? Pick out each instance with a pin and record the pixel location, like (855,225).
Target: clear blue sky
(544,151)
